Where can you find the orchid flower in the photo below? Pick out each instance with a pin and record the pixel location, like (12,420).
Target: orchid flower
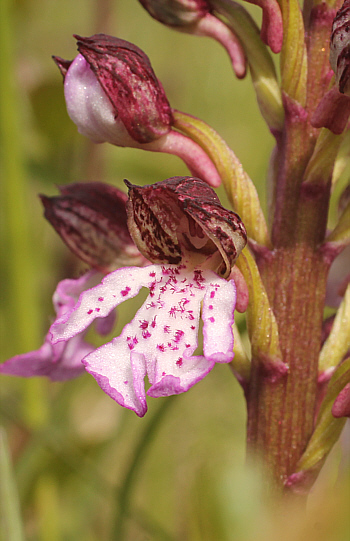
(91,219)
(61,361)
(193,242)
(113,95)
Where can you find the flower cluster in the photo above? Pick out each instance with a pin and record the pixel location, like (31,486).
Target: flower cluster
(176,239)
(179,225)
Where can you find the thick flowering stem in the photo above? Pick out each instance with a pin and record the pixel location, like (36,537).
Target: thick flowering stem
(281,410)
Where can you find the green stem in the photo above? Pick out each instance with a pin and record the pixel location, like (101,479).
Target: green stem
(124,492)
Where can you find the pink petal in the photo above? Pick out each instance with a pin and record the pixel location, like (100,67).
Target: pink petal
(217,314)
(120,375)
(58,362)
(68,291)
(98,302)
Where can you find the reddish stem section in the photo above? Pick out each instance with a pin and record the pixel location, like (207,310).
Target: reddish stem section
(281,410)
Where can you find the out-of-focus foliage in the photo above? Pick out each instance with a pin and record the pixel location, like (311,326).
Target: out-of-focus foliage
(74,450)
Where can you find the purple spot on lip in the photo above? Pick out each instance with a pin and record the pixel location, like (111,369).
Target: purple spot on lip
(97,309)
(90,312)
(212,294)
(179,361)
(101,299)
(211,307)
(125,291)
(126,382)
(212,319)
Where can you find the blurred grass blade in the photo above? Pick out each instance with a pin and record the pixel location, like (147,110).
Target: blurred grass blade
(20,302)
(125,491)
(10,519)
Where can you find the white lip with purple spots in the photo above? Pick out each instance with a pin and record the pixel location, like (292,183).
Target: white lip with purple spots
(161,339)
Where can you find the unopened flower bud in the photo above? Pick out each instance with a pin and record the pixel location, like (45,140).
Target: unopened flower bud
(91,219)
(112,93)
(181,220)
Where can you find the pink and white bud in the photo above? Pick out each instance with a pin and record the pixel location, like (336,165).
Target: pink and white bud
(112,93)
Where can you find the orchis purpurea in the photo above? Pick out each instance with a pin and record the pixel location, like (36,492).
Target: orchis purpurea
(113,95)
(178,225)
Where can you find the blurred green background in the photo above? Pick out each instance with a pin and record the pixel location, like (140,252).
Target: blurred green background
(75,465)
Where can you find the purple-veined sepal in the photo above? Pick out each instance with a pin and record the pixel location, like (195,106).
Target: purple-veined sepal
(91,219)
(125,74)
(181,219)
(339,56)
